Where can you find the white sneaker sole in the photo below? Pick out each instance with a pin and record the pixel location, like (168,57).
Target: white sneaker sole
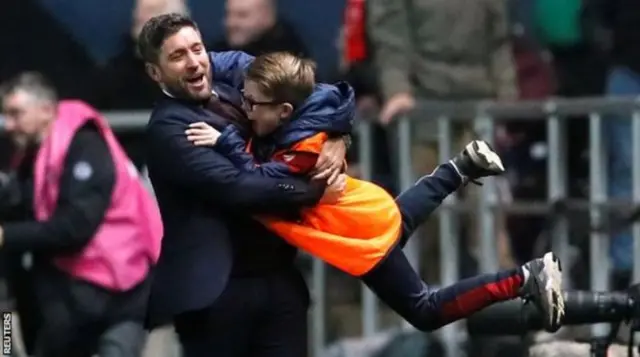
(552,291)
(484,156)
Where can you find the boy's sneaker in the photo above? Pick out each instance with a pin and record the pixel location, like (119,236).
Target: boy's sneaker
(477,160)
(543,287)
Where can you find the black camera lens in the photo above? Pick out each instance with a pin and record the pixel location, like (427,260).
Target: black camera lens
(581,307)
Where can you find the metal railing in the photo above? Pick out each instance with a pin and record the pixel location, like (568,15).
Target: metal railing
(121,121)
(484,114)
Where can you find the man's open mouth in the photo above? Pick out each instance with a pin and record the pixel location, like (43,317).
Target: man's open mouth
(197,80)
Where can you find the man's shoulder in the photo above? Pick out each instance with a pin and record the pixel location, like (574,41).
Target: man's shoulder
(88,136)
(88,131)
(228,53)
(232,61)
(171,110)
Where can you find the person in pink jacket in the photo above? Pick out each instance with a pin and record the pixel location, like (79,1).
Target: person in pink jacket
(86,219)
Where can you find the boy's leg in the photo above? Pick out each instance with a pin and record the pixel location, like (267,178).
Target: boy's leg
(477,160)
(399,286)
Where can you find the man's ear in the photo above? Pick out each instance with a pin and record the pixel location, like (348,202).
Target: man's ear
(153,71)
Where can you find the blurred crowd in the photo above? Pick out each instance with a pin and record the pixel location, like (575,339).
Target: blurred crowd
(395,53)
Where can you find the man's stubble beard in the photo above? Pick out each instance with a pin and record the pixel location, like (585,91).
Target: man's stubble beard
(179,91)
(33,140)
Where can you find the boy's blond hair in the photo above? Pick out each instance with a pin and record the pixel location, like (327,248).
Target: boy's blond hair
(283,77)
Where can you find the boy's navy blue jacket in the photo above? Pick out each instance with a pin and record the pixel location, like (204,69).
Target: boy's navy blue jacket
(206,202)
(330,109)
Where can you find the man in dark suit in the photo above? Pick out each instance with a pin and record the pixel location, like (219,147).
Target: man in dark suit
(228,284)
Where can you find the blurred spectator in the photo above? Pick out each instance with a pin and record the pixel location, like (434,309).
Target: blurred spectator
(123,83)
(441,50)
(621,18)
(579,65)
(447,50)
(566,29)
(90,299)
(534,73)
(520,142)
(356,60)
(554,54)
(37,41)
(356,67)
(253,26)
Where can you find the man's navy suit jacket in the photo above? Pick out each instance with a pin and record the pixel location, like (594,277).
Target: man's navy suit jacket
(204,200)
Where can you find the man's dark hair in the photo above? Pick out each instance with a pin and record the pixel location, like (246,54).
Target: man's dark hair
(157,30)
(33,83)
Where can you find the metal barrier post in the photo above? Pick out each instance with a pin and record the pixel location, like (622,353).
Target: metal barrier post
(412,249)
(557,185)
(369,301)
(484,127)
(449,239)
(406,180)
(319,311)
(599,242)
(636,192)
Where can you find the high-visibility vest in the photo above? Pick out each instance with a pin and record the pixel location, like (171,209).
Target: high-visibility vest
(353,234)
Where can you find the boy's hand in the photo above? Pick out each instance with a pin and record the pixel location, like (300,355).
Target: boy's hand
(331,161)
(334,191)
(202,134)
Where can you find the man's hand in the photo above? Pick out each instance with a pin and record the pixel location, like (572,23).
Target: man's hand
(334,191)
(400,103)
(202,134)
(331,161)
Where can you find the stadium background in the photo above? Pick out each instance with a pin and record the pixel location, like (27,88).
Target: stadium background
(79,43)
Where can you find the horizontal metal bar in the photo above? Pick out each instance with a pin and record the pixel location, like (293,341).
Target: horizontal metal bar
(122,121)
(454,110)
(119,120)
(543,207)
(524,110)
(562,107)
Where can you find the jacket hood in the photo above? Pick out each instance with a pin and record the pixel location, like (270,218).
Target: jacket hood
(330,108)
